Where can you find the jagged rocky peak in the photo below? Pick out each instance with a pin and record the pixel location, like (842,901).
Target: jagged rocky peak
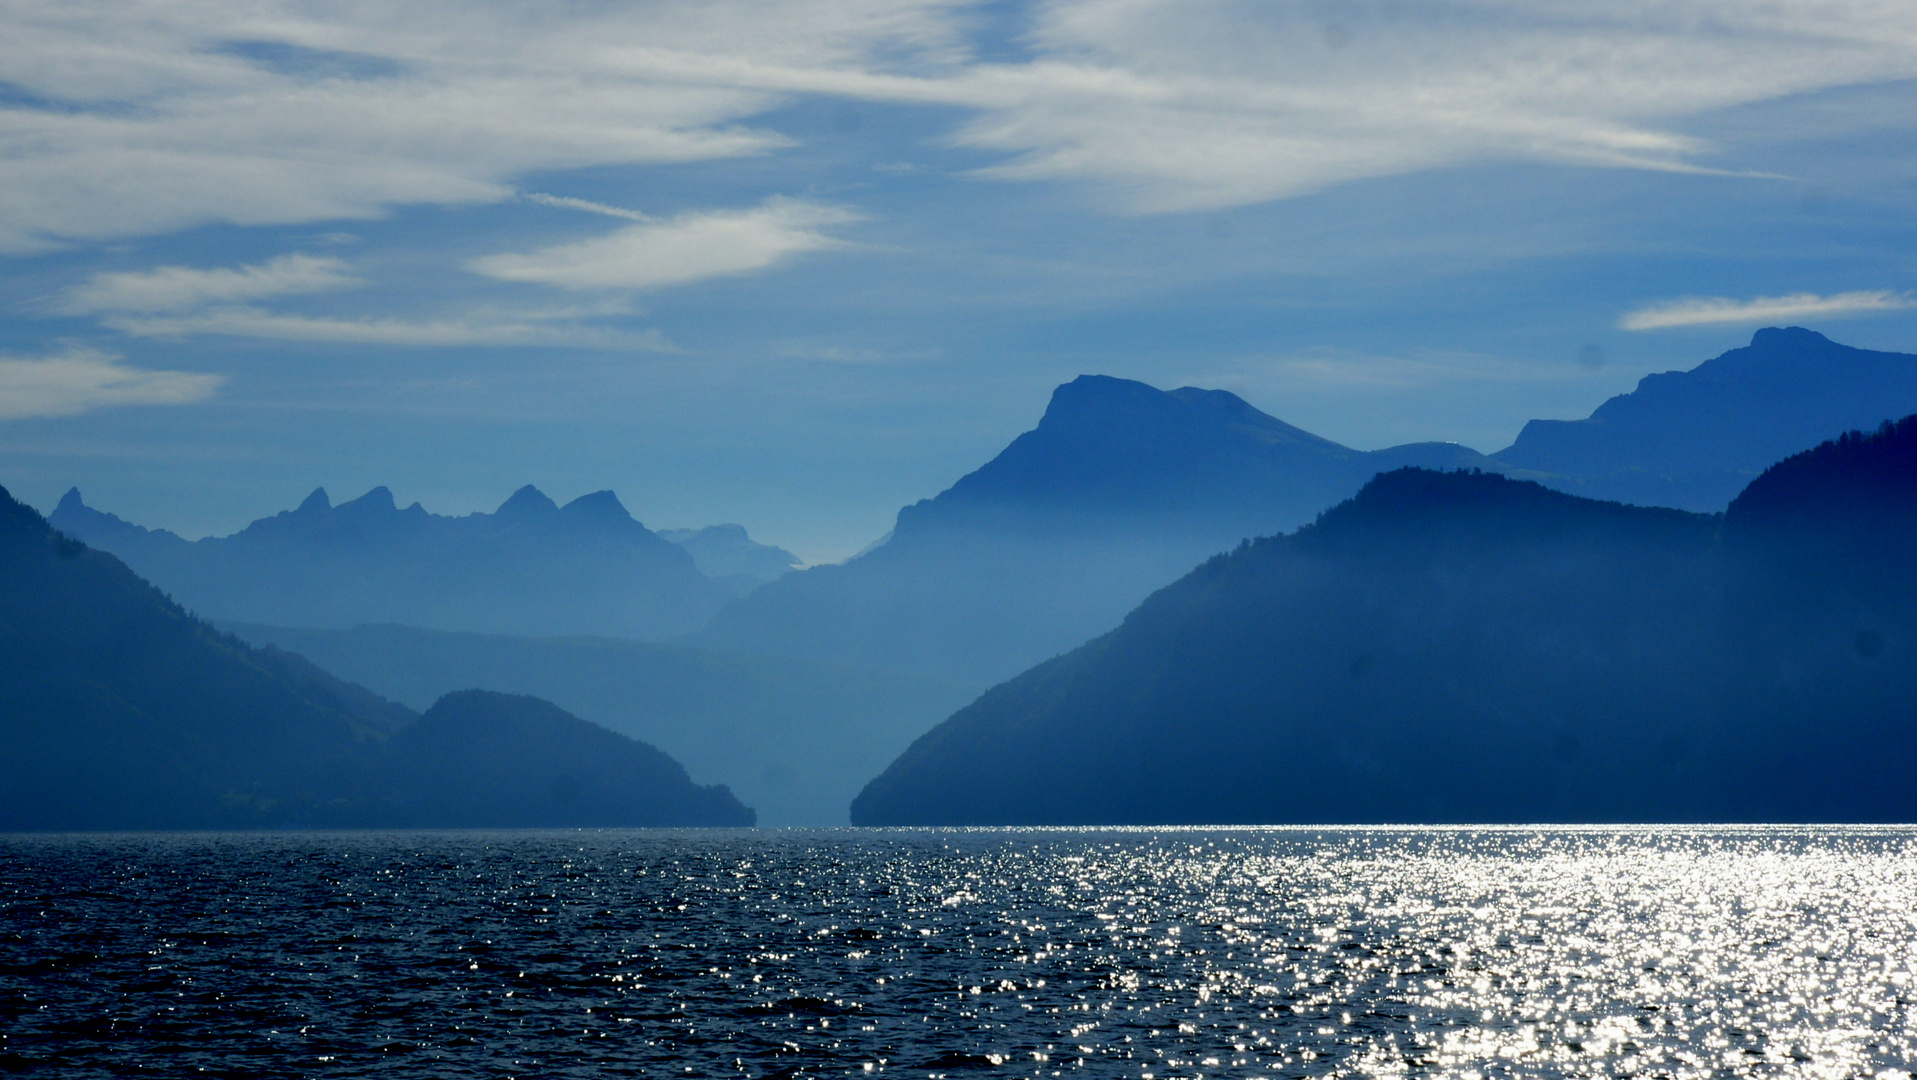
(71,501)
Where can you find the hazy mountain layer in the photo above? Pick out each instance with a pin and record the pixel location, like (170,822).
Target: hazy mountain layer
(1120,489)
(795,739)
(118,710)
(731,558)
(530,567)
(1459,647)
(1693,439)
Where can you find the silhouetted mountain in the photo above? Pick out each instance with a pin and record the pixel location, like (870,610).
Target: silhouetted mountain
(729,557)
(1450,647)
(530,567)
(120,710)
(794,738)
(1119,489)
(1693,439)
(479,759)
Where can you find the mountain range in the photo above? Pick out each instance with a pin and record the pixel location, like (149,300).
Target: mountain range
(119,710)
(1121,488)
(1464,647)
(530,567)
(794,686)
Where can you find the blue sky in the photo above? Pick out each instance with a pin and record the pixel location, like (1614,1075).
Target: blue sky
(794,263)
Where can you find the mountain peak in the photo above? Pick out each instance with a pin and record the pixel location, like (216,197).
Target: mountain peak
(71,501)
(1097,396)
(598,506)
(1778,338)
(380,498)
(526,501)
(316,501)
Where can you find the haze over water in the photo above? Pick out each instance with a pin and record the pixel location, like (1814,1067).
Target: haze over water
(1692,952)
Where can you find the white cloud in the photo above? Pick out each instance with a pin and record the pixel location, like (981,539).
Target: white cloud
(157,121)
(181,288)
(1193,104)
(81,380)
(533,328)
(1706,310)
(674,251)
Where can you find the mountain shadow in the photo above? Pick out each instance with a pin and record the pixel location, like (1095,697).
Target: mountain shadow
(118,710)
(480,759)
(1463,647)
(1118,490)
(530,567)
(1693,439)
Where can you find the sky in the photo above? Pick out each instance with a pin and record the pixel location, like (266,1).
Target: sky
(797,263)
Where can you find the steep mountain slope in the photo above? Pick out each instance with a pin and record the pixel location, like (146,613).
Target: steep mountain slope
(120,710)
(530,567)
(1120,488)
(1464,647)
(794,738)
(1693,439)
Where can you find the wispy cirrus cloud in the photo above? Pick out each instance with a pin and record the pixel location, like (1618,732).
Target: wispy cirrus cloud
(1708,310)
(81,380)
(134,119)
(182,288)
(674,251)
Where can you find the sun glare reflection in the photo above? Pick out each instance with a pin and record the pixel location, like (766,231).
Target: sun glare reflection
(1495,953)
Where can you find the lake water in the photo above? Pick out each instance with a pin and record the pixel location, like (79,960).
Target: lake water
(1138,953)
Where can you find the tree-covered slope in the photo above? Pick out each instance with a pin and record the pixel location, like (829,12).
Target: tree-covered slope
(1465,647)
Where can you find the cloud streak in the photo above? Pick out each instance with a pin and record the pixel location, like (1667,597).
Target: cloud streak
(676,251)
(1712,310)
(181,288)
(536,328)
(82,380)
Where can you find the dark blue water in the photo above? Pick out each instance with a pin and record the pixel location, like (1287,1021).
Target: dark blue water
(1153,953)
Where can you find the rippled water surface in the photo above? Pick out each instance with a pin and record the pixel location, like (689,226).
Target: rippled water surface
(1153,953)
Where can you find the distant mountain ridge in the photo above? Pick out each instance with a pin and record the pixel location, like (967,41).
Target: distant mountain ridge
(530,567)
(1462,647)
(793,739)
(1693,439)
(1119,489)
(727,555)
(118,710)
